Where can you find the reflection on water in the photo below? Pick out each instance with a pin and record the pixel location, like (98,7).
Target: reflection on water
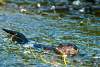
(48,30)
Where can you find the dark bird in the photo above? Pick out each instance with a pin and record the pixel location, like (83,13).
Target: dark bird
(66,49)
(16,36)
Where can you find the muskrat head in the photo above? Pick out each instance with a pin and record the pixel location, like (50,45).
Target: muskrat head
(67,49)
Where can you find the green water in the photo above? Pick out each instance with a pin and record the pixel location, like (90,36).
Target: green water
(49,30)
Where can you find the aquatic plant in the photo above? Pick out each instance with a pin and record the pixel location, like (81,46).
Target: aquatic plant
(2,2)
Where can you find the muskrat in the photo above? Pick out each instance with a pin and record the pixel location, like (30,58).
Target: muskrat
(61,49)
(16,36)
(66,49)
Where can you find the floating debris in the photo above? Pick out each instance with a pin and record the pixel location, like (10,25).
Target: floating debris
(52,8)
(77,2)
(22,9)
(38,5)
